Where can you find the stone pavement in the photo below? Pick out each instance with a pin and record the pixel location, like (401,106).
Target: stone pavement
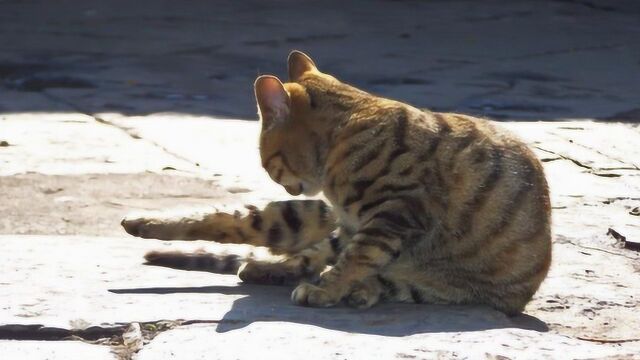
(105,111)
(76,282)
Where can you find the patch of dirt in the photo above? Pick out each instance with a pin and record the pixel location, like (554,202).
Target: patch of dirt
(94,204)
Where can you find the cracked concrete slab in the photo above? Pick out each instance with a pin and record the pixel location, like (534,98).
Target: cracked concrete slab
(587,303)
(105,285)
(83,270)
(51,350)
(94,204)
(576,140)
(216,146)
(72,143)
(287,341)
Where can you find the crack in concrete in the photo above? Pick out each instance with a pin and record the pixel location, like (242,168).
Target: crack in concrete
(592,170)
(607,341)
(619,198)
(114,336)
(634,166)
(124,129)
(598,249)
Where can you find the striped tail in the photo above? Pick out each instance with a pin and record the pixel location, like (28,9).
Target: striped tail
(199,260)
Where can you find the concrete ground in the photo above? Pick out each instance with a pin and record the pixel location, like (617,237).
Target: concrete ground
(109,107)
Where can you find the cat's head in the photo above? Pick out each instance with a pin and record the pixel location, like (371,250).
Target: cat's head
(292,144)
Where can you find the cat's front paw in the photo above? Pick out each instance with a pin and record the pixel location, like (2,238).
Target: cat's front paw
(315,296)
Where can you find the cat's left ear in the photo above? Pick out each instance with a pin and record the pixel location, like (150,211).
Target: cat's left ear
(299,63)
(273,101)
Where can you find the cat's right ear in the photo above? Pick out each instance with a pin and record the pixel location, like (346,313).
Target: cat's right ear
(298,64)
(273,101)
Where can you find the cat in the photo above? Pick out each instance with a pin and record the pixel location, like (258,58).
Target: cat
(426,207)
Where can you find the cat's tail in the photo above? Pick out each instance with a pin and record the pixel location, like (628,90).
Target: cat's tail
(199,260)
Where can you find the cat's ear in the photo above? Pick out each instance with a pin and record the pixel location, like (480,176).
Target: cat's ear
(299,63)
(273,101)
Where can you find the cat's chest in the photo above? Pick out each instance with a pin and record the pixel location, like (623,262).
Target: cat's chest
(349,223)
(347,220)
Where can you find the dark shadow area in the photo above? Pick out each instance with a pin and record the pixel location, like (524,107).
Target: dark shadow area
(47,333)
(272,303)
(527,60)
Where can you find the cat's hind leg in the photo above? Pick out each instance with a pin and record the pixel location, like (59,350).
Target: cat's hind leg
(391,286)
(305,265)
(285,227)
(403,282)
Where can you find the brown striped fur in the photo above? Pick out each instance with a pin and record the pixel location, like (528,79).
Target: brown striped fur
(431,207)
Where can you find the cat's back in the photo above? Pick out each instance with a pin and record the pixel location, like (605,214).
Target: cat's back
(483,191)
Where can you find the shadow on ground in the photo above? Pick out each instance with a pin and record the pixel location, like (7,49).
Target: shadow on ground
(524,59)
(272,303)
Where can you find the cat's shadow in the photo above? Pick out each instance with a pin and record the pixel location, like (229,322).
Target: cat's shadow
(272,303)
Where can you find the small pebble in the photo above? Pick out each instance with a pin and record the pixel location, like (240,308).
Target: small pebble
(238,190)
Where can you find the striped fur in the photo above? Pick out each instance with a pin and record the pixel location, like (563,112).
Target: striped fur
(196,261)
(431,207)
(285,227)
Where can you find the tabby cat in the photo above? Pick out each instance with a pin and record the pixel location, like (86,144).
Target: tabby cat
(427,207)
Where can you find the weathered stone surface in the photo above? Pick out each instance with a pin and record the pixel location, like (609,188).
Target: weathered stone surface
(94,204)
(56,281)
(72,143)
(54,350)
(591,292)
(228,147)
(282,340)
